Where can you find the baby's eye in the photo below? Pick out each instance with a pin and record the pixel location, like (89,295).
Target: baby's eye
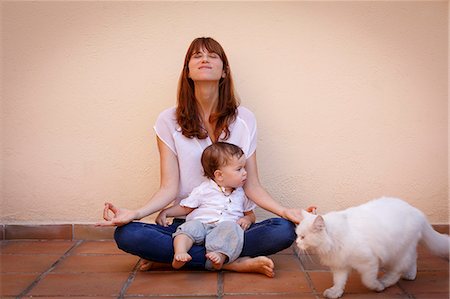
(302,237)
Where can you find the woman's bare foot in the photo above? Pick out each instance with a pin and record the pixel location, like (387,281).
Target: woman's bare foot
(259,264)
(217,259)
(147,265)
(180,259)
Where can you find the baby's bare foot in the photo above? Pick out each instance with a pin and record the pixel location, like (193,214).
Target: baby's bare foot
(217,259)
(180,259)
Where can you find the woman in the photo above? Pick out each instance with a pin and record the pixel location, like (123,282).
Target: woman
(207,111)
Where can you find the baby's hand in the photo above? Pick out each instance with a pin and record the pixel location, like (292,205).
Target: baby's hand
(161,219)
(244,222)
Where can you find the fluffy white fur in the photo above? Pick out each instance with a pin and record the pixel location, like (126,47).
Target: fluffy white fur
(381,234)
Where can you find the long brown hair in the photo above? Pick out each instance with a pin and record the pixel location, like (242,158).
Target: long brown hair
(187,111)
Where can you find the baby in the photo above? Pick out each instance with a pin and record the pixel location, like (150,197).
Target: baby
(217,211)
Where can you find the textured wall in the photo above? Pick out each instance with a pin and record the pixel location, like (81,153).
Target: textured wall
(350,97)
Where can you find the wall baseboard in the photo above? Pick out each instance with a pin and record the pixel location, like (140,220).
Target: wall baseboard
(55,232)
(81,232)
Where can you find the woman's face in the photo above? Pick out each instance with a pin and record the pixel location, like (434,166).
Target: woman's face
(205,66)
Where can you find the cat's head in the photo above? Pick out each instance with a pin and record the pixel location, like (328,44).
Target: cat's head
(311,232)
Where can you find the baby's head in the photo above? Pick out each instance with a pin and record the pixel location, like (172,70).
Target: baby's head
(225,164)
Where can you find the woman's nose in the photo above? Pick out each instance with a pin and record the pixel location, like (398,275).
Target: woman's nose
(205,58)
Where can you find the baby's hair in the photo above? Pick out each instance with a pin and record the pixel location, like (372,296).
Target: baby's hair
(218,155)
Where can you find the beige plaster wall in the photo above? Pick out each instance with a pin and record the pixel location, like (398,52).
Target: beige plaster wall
(351,100)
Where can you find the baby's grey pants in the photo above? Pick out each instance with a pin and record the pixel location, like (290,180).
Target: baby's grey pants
(226,237)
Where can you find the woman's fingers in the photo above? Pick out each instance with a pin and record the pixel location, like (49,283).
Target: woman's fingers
(107,208)
(105,223)
(106,215)
(112,207)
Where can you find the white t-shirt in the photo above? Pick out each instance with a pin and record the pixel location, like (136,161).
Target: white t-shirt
(189,150)
(212,205)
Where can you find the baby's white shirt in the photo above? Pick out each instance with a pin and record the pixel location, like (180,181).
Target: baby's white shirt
(212,205)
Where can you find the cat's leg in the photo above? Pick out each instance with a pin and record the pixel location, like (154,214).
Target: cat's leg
(410,269)
(369,274)
(404,266)
(411,273)
(339,279)
(391,277)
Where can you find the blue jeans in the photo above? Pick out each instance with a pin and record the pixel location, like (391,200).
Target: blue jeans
(154,242)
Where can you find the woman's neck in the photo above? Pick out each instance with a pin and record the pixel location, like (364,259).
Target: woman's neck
(207,95)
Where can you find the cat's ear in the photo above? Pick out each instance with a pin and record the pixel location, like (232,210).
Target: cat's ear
(318,224)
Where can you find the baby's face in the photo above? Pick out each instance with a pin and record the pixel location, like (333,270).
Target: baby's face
(234,173)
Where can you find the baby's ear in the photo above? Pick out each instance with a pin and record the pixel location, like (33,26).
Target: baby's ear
(318,224)
(218,175)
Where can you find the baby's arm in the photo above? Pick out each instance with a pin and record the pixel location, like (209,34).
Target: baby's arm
(247,220)
(172,211)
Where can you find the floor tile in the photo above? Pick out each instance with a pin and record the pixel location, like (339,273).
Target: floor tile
(169,297)
(324,280)
(74,297)
(375,295)
(284,262)
(97,263)
(26,263)
(36,247)
(14,284)
(87,284)
(272,296)
(427,283)
(174,283)
(97,247)
(289,250)
(432,263)
(431,296)
(250,283)
(311,262)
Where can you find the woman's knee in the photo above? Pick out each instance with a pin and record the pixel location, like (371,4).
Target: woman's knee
(120,236)
(284,228)
(126,236)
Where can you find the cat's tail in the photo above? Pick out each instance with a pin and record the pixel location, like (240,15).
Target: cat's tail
(437,243)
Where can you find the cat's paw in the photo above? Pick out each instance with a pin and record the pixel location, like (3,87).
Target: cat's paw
(409,276)
(333,293)
(378,286)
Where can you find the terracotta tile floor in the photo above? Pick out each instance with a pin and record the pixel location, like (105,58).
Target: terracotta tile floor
(97,269)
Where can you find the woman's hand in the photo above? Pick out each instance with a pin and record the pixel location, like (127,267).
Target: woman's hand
(295,215)
(120,216)
(292,214)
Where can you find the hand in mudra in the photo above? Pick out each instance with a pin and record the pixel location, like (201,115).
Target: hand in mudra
(119,216)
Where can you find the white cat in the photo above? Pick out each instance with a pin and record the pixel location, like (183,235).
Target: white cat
(381,234)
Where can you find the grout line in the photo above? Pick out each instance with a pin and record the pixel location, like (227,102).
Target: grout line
(52,267)
(130,279)
(220,280)
(410,296)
